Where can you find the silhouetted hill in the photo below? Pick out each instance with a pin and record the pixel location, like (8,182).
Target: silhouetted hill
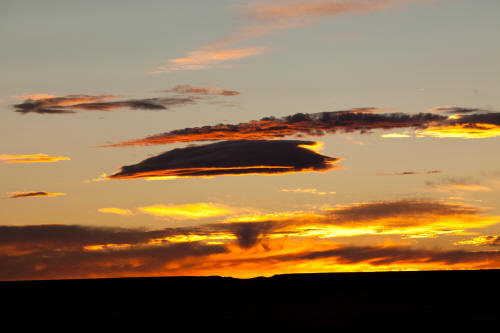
(395,299)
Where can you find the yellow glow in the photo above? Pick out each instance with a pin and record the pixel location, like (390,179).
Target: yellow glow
(101,247)
(36,158)
(395,135)
(118,211)
(193,238)
(464,131)
(480,240)
(189,211)
(316,147)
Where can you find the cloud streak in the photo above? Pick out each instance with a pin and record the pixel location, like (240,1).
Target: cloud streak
(238,157)
(35,158)
(32,194)
(263,18)
(70,104)
(362,120)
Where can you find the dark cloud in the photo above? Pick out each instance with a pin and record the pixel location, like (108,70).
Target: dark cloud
(458,110)
(362,120)
(396,254)
(32,194)
(238,157)
(476,120)
(62,251)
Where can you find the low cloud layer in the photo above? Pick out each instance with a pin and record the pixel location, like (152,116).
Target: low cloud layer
(32,194)
(238,157)
(363,120)
(35,158)
(288,244)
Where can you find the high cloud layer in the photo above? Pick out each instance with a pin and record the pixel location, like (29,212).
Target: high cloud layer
(32,194)
(49,104)
(260,247)
(264,17)
(239,157)
(361,120)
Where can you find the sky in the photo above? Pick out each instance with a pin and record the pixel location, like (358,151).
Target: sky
(248,138)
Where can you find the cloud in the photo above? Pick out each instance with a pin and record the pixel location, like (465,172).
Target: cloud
(361,120)
(32,194)
(187,89)
(35,158)
(307,190)
(65,251)
(117,211)
(457,110)
(409,173)
(238,157)
(73,103)
(407,218)
(188,211)
(481,240)
(292,242)
(208,57)
(468,126)
(454,184)
(263,18)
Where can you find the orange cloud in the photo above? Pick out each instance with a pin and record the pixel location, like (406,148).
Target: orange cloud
(263,18)
(206,58)
(32,194)
(59,251)
(36,158)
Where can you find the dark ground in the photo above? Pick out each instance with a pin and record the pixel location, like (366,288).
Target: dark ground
(400,300)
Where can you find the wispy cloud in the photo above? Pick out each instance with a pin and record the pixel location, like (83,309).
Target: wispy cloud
(409,173)
(35,158)
(207,58)
(458,184)
(262,18)
(180,95)
(239,157)
(32,194)
(188,89)
(307,190)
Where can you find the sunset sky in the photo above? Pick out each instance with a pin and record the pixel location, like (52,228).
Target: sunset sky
(248,138)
